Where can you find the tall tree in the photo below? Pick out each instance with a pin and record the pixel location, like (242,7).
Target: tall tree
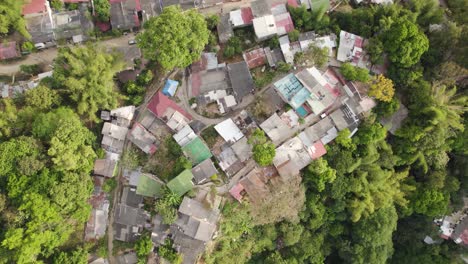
(175,38)
(11,17)
(404,42)
(102,10)
(85,75)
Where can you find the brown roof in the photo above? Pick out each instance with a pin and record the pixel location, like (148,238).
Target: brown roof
(8,50)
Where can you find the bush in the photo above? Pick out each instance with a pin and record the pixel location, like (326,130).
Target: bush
(212,21)
(233,47)
(56,4)
(32,69)
(109,185)
(167,252)
(294,35)
(386,109)
(273,43)
(352,73)
(283,67)
(27,46)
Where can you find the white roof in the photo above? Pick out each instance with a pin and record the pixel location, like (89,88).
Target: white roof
(229,131)
(77,38)
(114,131)
(184,136)
(291,157)
(286,49)
(236,18)
(230,100)
(265,26)
(215,95)
(177,121)
(125,112)
(276,129)
(5,91)
(41,76)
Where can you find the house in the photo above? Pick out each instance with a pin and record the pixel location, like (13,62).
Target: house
(260,8)
(324,130)
(196,151)
(113,137)
(204,171)
(160,231)
(229,131)
(73,25)
(344,117)
(455,226)
(127,258)
(168,111)
(105,167)
(208,75)
(122,116)
(131,198)
(269,21)
(351,49)
(292,91)
(228,161)
(225,29)
(255,58)
(8,50)
(129,222)
(184,136)
(241,17)
(254,184)
(241,80)
(132,176)
(310,38)
(97,221)
(170,87)
(283,20)
(242,149)
(182,183)
(291,157)
(16,89)
(276,129)
(194,227)
(395,121)
(322,93)
(149,186)
(142,139)
(273,56)
(124,14)
(289,49)
(265,26)
(35,7)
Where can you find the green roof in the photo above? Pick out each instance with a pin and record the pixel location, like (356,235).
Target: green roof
(197,151)
(182,183)
(317,4)
(147,186)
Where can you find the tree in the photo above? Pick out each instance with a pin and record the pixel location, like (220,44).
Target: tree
(386,109)
(78,256)
(430,202)
(405,43)
(11,17)
(8,116)
(85,75)
(102,10)
(56,4)
(70,147)
(375,49)
(382,89)
(42,98)
(294,35)
(32,69)
(313,56)
(318,173)
(233,47)
(143,247)
(174,38)
(212,21)
(166,206)
(263,149)
(353,73)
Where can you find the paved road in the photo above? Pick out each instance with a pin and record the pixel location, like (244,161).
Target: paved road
(47,56)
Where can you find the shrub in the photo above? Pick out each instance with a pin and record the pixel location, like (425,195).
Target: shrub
(283,67)
(294,35)
(233,47)
(27,46)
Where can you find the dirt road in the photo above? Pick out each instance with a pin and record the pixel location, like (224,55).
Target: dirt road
(47,56)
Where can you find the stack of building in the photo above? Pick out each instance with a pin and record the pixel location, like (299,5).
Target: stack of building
(455,227)
(114,132)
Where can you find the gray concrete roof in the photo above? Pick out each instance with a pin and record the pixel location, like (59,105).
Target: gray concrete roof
(203,171)
(260,8)
(241,80)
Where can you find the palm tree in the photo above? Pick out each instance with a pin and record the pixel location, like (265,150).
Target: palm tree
(448,105)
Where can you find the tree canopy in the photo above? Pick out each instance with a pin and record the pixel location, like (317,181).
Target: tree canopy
(85,75)
(263,149)
(174,38)
(11,17)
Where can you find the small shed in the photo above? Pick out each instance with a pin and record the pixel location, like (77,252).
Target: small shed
(170,87)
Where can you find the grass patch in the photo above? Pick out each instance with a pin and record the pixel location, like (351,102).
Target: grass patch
(262,79)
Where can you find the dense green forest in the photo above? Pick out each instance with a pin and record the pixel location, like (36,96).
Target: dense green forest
(373,197)
(47,154)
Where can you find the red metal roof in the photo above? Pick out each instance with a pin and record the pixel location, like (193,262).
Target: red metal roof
(255,58)
(293,3)
(160,103)
(285,22)
(75,1)
(34,6)
(236,192)
(8,50)
(247,16)
(318,150)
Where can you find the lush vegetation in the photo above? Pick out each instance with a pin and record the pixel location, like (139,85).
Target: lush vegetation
(143,248)
(262,148)
(174,38)
(353,73)
(11,18)
(48,153)
(102,10)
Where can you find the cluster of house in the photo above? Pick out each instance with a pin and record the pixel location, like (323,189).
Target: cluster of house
(225,84)
(267,20)
(453,227)
(12,90)
(113,132)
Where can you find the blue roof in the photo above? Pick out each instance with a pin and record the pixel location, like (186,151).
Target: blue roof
(170,87)
(292,91)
